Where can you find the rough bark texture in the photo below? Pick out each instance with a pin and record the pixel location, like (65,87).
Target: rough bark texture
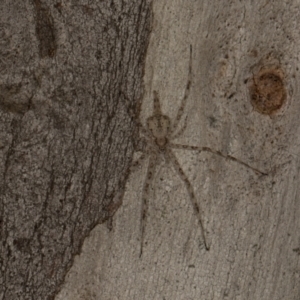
(70,72)
(244,52)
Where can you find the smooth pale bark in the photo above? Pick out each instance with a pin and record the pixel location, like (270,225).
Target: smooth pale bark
(252,222)
(70,73)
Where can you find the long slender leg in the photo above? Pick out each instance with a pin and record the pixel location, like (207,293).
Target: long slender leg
(177,134)
(186,94)
(190,191)
(156,104)
(148,181)
(144,130)
(207,149)
(138,162)
(134,116)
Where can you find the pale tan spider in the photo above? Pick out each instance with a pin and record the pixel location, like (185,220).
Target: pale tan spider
(159,134)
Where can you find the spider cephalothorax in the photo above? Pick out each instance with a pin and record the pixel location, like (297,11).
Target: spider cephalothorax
(159,126)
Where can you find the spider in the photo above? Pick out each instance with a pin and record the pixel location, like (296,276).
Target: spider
(159,133)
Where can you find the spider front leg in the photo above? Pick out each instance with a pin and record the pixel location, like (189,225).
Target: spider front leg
(138,162)
(134,114)
(171,157)
(180,131)
(148,181)
(183,101)
(207,149)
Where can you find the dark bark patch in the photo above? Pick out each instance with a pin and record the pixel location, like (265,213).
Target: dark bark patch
(22,244)
(267,91)
(45,30)
(11,102)
(297,251)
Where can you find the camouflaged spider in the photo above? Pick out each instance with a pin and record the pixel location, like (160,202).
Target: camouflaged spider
(159,134)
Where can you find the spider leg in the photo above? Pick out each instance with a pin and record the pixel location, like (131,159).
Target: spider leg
(138,162)
(156,104)
(186,94)
(143,129)
(144,208)
(207,149)
(177,134)
(190,191)
(134,115)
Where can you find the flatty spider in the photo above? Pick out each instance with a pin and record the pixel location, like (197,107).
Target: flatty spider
(159,133)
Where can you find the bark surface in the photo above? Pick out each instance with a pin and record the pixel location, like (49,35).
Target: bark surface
(70,73)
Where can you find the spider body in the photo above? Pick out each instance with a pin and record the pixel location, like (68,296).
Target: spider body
(159,127)
(159,134)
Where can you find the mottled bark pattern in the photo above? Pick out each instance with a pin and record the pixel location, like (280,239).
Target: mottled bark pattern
(66,137)
(44,30)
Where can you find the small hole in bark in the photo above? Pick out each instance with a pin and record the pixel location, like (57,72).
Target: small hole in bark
(267,91)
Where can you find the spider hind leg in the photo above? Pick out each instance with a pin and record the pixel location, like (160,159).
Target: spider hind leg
(144,209)
(190,191)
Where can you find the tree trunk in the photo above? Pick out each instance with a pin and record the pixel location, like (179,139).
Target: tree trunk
(71,77)
(242,102)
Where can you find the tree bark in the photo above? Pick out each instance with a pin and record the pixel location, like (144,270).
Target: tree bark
(70,79)
(245,62)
